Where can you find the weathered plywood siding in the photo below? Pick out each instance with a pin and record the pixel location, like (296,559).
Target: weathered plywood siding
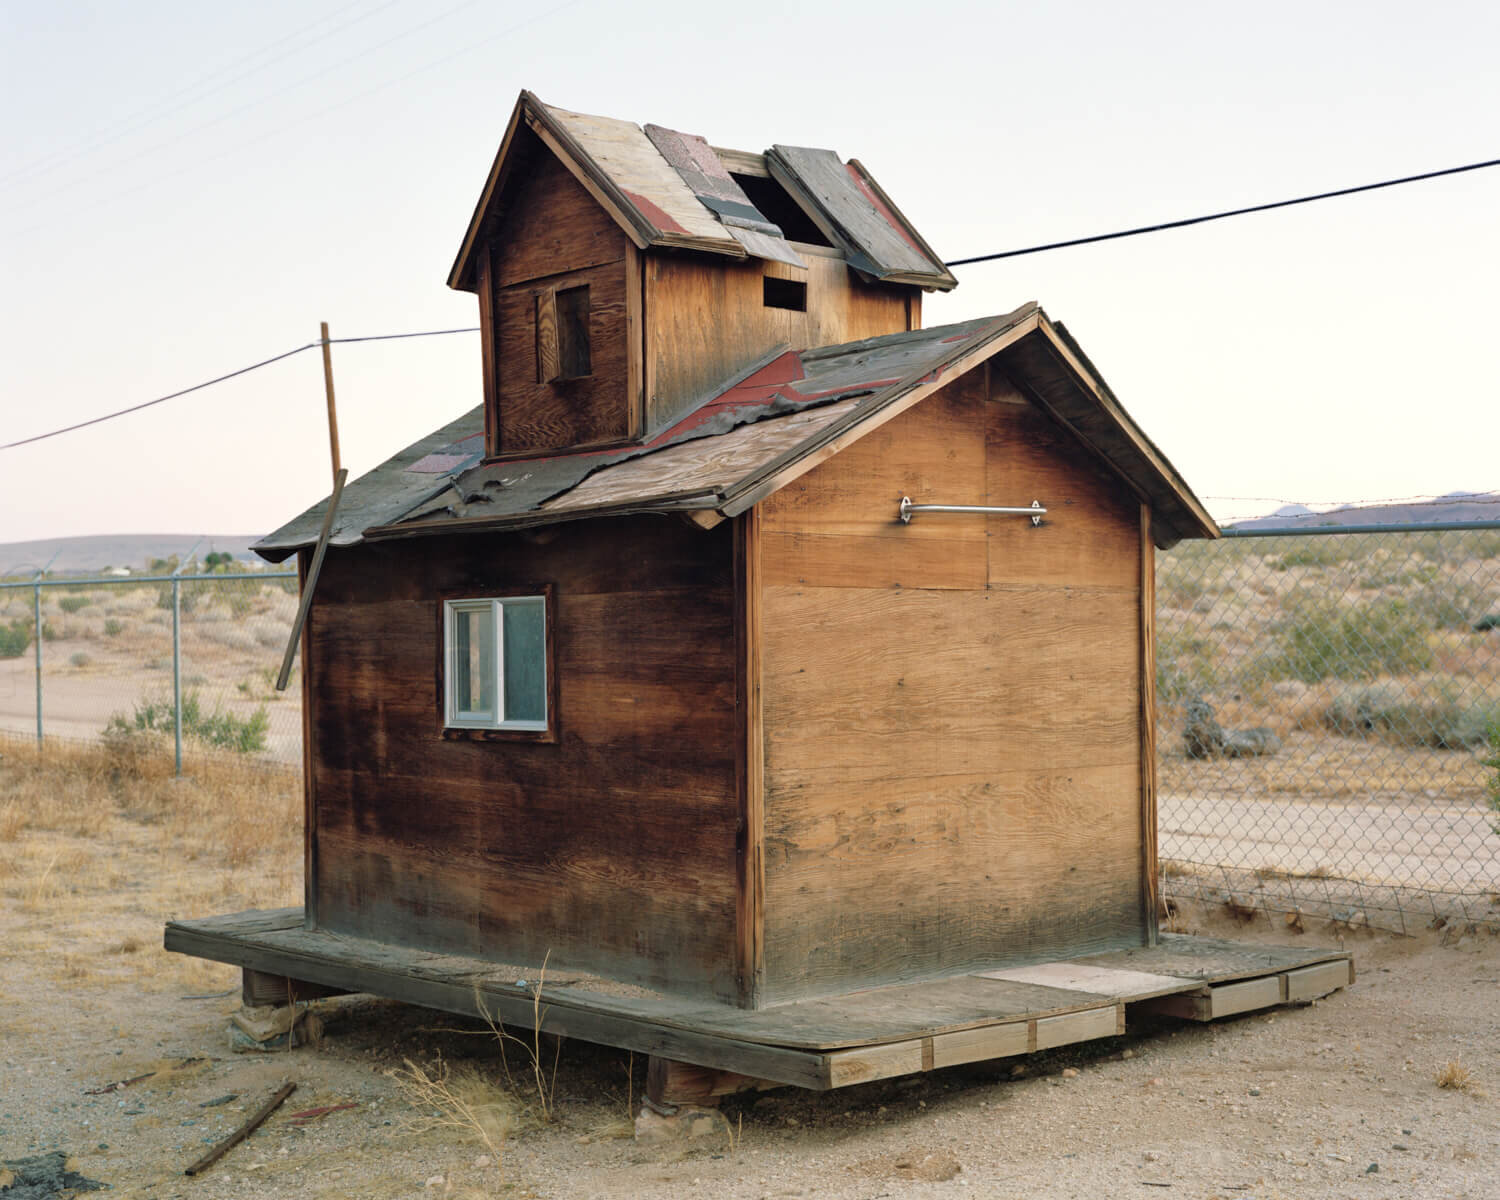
(614,848)
(706,318)
(555,235)
(952,707)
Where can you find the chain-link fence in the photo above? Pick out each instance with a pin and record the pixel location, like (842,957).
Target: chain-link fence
(1328,706)
(1329,723)
(183,662)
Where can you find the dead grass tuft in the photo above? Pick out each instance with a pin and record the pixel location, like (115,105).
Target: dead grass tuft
(462,1102)
(1454,1076)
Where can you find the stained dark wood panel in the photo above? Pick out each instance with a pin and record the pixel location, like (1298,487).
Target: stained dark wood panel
(551,225)
(540,409)
(613,849)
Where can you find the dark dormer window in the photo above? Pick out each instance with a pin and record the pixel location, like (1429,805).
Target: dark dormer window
(562,334)
(780,209)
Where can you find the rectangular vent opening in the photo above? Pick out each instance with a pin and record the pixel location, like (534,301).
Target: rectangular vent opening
(785,293)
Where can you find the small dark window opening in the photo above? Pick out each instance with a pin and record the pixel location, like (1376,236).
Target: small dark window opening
(780,209)
(785,293)
(573,332)
(562,335)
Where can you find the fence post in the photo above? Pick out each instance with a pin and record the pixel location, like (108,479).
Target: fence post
(36,616)
(177,671)
(177,653)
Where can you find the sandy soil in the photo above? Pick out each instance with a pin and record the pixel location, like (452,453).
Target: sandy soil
(1335,1099)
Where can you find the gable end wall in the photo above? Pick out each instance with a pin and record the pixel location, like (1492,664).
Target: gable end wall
(951,707)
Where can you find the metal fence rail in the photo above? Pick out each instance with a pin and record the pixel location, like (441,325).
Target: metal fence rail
(183,660)
(1329,720)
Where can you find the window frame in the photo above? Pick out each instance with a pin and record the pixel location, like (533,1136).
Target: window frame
(462,725)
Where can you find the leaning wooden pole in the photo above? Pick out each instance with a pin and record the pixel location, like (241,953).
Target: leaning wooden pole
(333,417)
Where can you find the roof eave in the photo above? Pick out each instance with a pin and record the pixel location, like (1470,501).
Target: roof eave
(553,134)
(1052,370)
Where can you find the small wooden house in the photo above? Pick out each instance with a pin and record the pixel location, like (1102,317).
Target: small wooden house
(750,652)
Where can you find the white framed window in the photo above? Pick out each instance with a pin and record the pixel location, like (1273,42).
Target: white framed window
(496,663)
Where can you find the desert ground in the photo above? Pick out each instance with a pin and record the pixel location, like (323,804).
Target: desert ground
(1389,1089)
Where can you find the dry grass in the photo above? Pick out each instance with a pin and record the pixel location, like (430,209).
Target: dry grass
(461,1102)
(99,847)
(1454,1076)
(228,811)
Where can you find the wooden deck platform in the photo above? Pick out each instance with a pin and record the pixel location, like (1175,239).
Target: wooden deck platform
(817,1044)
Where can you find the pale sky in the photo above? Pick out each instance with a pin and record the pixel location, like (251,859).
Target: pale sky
(187,188)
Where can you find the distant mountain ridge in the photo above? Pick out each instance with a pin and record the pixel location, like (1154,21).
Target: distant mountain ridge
(88,555)
(1454,506)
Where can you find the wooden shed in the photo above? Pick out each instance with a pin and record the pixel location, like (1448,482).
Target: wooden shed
(778,670)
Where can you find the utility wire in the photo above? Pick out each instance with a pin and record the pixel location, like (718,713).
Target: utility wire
(303,119)
(214,81)
(1102,237)
(314,77)
(207,383)
(1219,216)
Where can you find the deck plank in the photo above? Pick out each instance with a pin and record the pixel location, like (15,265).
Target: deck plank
(1211,960)
(1104,981)
(811,1043)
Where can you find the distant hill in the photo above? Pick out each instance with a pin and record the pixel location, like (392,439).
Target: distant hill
(87,555)
(1455,506)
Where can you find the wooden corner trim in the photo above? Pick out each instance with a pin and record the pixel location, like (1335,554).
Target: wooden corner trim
(749,933)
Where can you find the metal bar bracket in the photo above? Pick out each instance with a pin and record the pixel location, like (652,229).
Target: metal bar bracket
(1036,512)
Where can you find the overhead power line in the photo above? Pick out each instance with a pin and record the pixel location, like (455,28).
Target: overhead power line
(207,383)
(1219,216)
(298,42)
(958,262)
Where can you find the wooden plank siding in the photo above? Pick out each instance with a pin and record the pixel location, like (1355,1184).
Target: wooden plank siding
(952,707)
(687,355)
(614,849)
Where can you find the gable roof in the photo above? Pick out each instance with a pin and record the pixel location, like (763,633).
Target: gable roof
(670,189)
(749,437)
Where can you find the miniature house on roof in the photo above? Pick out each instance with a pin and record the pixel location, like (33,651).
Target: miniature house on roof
(704,656)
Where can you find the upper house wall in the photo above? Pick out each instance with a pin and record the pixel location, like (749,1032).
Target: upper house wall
(590,342)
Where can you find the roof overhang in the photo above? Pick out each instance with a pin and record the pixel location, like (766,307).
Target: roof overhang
(673,191)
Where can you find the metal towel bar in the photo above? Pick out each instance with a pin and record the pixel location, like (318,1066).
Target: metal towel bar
(1036,512)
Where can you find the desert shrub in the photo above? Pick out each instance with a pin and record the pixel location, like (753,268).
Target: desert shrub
(241,602)
(14,638)
(225,730)
(1435,715)
(1492,783)
(1486,623)
(1180,591)
(50,632)
(71,604)
(80,659)
(1326,641)
(113,627)
(1328,551)
(1185,667)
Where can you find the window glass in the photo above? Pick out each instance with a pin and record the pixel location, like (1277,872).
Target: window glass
(525,660)
(495,663)
(474,662)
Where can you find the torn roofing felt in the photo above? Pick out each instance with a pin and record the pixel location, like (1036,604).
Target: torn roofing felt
(726,453)
(670,189)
